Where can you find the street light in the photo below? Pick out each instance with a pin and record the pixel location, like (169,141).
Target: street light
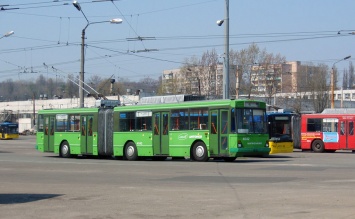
(81,78)
(226,52)
(332,84)
(7,34)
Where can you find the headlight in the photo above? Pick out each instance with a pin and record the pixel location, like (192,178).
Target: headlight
(267,144)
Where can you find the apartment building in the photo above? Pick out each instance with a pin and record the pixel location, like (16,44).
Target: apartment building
(197,80)
(265,79)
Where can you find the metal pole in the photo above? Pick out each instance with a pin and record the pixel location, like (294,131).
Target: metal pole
(332,82)
(237,85)
(34,109)
(332,88)
(81,77)
(226,58)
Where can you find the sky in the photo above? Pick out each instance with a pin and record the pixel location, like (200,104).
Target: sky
(47,34)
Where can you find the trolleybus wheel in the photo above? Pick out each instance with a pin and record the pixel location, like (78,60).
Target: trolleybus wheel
(199,152)
(318,146)
(131,151)
(65,149)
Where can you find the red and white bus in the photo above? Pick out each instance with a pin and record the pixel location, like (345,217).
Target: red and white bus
(327,132)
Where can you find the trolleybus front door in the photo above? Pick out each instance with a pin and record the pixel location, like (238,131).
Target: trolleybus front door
(219,130)
(161,133)
(48,143)
(86,123)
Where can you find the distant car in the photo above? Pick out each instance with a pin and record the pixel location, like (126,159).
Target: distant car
(25,132)
(33,131)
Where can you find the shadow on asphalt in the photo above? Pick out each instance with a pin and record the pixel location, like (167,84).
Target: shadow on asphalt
(270,158)
(8,199)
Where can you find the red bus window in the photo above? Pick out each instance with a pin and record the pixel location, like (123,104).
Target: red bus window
(342,128)
(351,128)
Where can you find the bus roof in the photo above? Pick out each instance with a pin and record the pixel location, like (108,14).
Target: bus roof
(73,110)
(242,103)
(339,111)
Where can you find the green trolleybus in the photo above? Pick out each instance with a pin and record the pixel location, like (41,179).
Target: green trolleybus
(199,130)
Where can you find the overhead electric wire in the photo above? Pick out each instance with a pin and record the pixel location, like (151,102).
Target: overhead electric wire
(208,37)
(163,49)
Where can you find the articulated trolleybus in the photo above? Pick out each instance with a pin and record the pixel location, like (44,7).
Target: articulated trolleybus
(221,129)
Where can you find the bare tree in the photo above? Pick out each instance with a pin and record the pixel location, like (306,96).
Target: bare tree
(257,71)
(200,76)
(94,81)
(318,86)
(71,89)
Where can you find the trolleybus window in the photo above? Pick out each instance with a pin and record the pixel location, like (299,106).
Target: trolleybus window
(144,120)
(40,123)
(75,123)
(180,119)
(251,121)
(351,128)
(127,122)
(61,122)
(198,118)
(330,125)
(214,123)
(314,125)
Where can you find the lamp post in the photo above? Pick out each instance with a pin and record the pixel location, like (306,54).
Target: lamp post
(332,83)
(7,34)
(82,62)
(226,52)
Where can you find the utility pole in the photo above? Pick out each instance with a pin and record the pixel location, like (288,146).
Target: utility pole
(34,109)
(226,52)
(332,81)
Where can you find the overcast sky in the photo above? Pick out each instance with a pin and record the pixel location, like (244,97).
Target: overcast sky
(47,34)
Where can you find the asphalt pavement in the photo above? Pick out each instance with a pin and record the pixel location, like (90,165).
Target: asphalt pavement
(296,185)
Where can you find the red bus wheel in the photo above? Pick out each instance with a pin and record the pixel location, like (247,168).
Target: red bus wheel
(318,146)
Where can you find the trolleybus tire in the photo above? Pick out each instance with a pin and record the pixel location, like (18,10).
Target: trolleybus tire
(199,152)
(130,151)
(65,149)
(318,146)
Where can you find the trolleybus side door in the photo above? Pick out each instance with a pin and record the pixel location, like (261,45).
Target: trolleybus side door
(346,134)
(351,134)
(48,143)
(161,133)
(86,141)
(219,132)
